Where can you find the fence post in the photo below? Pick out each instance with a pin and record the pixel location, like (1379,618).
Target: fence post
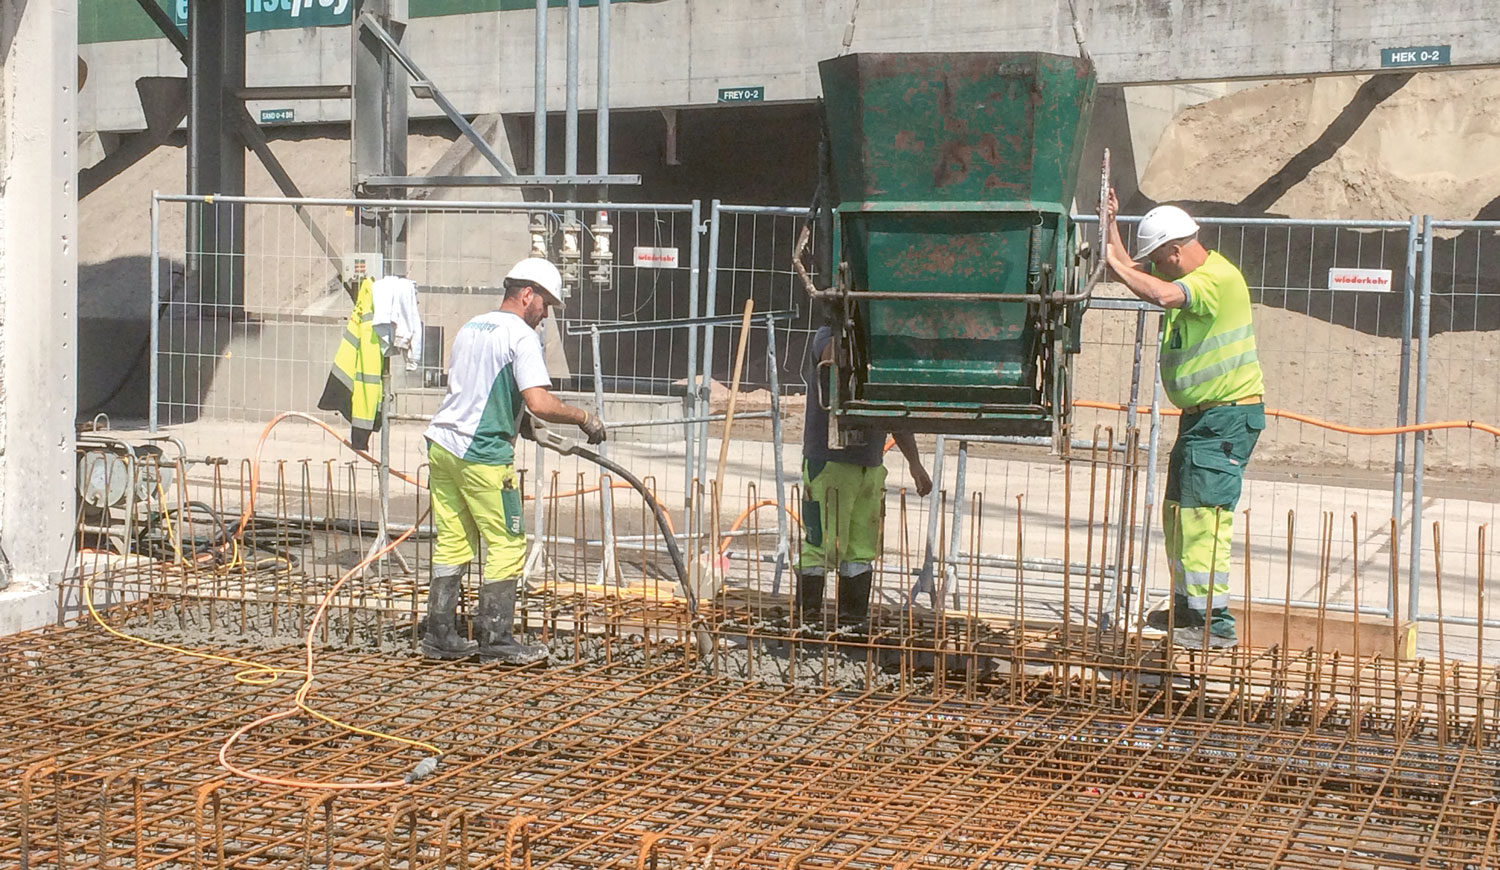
(1152,454)
(955,534)
(688,456)
(783,542)
(1424,311)
(606,498)
(925,581)
(1123,581)
(155,306)
(705,392)
(1398,484)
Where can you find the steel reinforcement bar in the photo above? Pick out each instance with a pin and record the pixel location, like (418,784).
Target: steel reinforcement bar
(112,749)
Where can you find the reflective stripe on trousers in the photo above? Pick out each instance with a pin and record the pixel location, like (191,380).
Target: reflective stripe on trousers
(1199,543)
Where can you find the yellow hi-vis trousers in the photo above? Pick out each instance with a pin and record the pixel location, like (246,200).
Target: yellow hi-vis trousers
(1204,477)
(471,501)
(841,514)
(1199,543)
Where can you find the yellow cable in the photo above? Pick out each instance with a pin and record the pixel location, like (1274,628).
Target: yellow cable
(257,674)
(253,673)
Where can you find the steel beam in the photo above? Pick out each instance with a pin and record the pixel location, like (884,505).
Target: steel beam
(423,87)
(296,92)
(216,158)
(494,180)
(249,131)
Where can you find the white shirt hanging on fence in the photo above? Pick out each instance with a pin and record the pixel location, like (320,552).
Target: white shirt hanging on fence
(397,321)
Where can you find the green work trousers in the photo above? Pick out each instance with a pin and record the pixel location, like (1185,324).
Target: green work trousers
(1204,477)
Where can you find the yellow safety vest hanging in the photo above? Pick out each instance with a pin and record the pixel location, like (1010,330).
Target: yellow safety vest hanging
(353,388)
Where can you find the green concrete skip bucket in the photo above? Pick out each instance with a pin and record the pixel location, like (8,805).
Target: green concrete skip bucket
(958,282)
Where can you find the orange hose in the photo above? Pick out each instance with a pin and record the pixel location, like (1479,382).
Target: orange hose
(744,515)
(1336,427)
(305,690)
(671,527)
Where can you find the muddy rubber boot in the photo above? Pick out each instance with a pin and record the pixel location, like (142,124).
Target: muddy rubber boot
(1182,617)
(497,618)
(807,605)
(854,601)
(442,640)
(1219,626)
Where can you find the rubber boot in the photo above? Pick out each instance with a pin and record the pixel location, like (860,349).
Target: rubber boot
(1183,616)
(1219,626)
(442,640)
(854,600)
(807,606)
(497,618)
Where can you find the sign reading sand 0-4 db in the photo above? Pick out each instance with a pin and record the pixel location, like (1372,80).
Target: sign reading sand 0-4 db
(750,94)
(1420,55)
(277,116)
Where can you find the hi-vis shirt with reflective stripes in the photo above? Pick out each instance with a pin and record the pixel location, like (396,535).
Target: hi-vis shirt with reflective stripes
(1208,347)
(353,388)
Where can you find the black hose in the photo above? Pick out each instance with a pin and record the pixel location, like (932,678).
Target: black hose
(661,517)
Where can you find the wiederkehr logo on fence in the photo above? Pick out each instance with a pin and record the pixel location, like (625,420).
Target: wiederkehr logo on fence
(1371,280)
(656,258)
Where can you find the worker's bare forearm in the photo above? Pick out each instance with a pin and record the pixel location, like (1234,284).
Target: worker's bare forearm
(1116,243)
(543,404)
(907,444)
(1143,284)
(919,476)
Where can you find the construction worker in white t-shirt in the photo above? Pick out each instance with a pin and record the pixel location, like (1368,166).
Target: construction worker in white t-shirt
(496,367)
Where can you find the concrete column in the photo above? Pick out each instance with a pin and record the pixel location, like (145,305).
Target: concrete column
(38,299)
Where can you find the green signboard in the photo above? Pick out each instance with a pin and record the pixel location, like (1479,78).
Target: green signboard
(272,116)
(120,20)
(751,94)
(1417,55)
(115,20)
(433,8)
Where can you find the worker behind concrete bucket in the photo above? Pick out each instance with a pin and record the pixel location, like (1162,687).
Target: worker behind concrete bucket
(496,370)
(1210,370)
(843,503)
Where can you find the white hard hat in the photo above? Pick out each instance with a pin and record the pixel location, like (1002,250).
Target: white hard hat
(1162,224)
(542,275)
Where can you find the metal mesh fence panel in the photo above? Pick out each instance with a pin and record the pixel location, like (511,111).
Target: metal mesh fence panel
(241,342)
(1458,327)
(1317,508)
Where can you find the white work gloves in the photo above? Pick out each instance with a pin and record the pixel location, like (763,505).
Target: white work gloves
(593,429)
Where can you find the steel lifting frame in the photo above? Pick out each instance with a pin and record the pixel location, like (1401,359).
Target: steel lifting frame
(423,87)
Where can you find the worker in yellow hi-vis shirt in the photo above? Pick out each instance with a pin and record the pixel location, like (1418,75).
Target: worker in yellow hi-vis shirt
(1210,370)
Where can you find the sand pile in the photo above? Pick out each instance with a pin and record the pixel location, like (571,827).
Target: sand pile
(1428,148)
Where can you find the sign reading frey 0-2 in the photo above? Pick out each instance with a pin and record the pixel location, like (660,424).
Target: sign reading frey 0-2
(1377,280)
(752,94)
(1418,55)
